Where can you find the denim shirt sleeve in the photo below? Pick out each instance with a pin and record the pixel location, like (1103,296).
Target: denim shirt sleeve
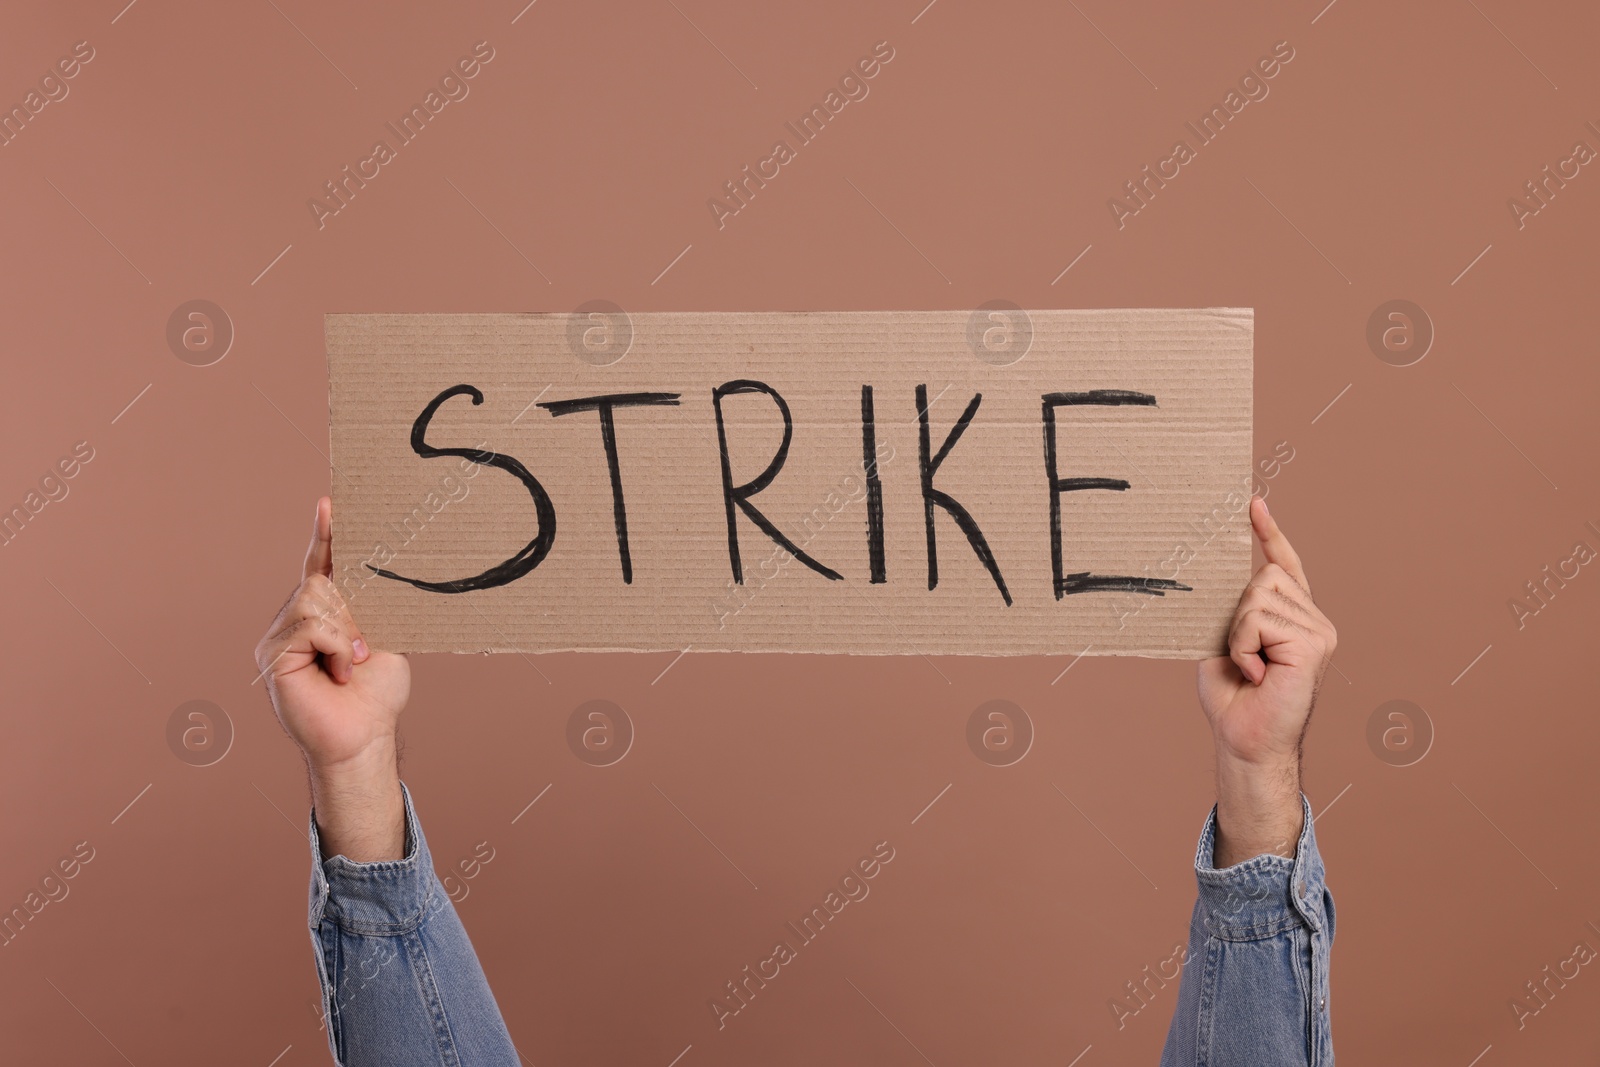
(1255,975)
(401,984)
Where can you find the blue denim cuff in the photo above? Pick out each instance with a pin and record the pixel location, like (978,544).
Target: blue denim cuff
(1263,895)
(385,898)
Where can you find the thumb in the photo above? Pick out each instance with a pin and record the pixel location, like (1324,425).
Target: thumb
(319,556)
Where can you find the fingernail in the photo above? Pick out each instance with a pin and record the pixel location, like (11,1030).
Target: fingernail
(360,647)
(1263,504)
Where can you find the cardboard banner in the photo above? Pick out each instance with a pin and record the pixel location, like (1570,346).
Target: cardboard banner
(998,482)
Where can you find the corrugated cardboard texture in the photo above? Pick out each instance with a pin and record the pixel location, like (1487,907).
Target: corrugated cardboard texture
(1183,518)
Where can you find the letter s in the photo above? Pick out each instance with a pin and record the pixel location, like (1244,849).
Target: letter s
(532,553)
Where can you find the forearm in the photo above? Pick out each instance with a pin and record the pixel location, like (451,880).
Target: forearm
(401,983)
(1259,809)
(359,808)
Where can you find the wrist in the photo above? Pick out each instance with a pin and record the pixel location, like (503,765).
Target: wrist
(367,768)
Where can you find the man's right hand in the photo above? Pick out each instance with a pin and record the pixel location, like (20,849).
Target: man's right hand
(1259,697)
(341,704)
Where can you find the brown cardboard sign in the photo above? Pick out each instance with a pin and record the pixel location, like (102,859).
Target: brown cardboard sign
(996,482)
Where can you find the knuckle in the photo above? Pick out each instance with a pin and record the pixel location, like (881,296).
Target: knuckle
(1280,597)
(283,636)
(305,603)
(1275,616)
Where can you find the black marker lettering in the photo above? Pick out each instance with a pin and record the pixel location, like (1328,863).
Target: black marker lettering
(740,494)
(869,464)
(1083,581)
(532,553)
(932,496)
(608,436)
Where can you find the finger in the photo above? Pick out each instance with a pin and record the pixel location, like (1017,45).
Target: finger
(329,638)
(319,557)
(315,622)
(338,609)
(1264,632)
(1244,646)
(331,604)
(1274,544)
(298,645)
(1273,585)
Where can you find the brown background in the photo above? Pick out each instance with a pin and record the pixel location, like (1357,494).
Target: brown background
(1379,167)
